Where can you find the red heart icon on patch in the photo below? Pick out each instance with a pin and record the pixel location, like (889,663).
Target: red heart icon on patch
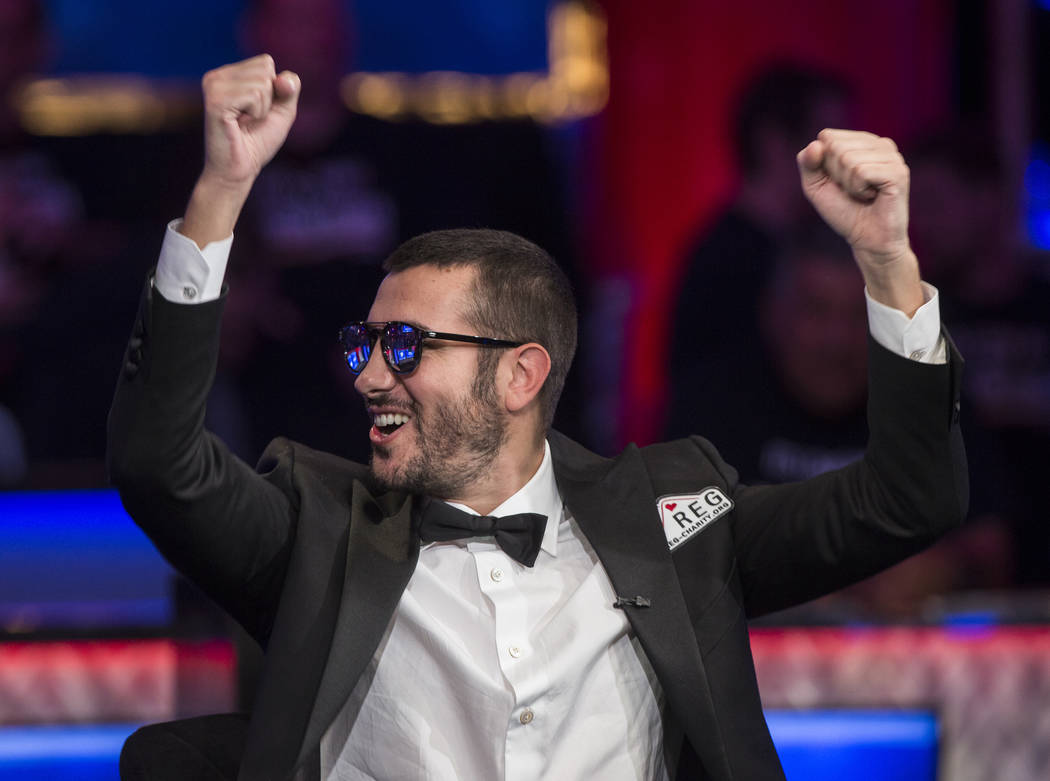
(671,505)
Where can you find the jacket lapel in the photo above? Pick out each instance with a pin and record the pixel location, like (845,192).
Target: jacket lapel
(613,503)
(381,556)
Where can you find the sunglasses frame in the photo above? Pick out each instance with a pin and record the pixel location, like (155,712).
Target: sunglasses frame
(379,330)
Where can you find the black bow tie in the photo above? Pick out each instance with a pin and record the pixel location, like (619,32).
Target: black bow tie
(519,535)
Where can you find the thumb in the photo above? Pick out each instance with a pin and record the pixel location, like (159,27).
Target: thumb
(286,88)
(811,163)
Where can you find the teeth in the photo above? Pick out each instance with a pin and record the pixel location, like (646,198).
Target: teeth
(390,419)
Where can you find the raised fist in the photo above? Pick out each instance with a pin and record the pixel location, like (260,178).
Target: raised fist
(858,182)
(248,111)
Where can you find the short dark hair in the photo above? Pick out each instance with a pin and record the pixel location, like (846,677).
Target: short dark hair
(783,96)
(520,293)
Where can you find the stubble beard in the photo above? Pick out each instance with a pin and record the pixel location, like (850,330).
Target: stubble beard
(456,443)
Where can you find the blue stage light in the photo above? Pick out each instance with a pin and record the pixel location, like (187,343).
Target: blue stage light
(856,744)
(74,559)
(81,752)
(1037,188)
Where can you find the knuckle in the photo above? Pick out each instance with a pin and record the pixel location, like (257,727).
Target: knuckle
(848,158)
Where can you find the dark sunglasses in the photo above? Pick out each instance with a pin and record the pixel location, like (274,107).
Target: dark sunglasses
(402,344)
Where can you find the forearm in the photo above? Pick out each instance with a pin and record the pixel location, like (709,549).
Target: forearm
(895,283)
(213,210)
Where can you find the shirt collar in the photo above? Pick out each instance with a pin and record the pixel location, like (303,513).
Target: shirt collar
(539,495)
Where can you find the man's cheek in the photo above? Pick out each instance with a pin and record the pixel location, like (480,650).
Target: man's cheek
(415,423)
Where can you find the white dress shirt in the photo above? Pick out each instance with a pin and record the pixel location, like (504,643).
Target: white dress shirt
(493,670)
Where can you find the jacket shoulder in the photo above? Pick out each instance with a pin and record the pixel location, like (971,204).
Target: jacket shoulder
(687,462)
(286,461)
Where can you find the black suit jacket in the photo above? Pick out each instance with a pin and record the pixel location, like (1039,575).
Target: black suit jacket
(313,563)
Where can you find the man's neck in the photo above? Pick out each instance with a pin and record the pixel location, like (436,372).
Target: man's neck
(510,472)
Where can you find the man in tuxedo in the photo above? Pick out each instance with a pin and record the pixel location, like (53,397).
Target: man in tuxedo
(487,599)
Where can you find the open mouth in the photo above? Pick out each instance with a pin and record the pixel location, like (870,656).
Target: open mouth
(389,422)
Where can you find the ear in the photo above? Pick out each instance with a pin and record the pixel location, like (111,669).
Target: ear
(529,366)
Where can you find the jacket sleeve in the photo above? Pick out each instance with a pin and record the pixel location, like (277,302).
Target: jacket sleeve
(224,526)
(798,541)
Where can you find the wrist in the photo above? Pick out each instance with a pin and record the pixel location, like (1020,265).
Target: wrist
(213,209)
(893,279)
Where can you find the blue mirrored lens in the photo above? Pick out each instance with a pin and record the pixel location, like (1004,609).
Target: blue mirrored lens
(356,359)
(357,347)
(401,346)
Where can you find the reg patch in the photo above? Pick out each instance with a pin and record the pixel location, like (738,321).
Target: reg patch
(685,515)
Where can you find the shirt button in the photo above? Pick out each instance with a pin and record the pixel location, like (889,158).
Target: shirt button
(189,292)
(514,651)
(496,574)
(526,716)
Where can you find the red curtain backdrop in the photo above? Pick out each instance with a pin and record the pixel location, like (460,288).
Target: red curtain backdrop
(659,158)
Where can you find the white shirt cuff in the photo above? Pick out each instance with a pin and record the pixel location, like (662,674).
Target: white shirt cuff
(919,337)
(187,274)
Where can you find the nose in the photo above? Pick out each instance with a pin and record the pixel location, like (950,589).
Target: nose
(376,376)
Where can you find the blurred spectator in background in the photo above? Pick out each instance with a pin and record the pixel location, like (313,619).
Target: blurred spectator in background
(40,214)
(997,307)
(715,329)
(809,416)
(802,405)
(801,411)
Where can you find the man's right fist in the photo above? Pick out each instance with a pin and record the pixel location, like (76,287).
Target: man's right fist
(248,110)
